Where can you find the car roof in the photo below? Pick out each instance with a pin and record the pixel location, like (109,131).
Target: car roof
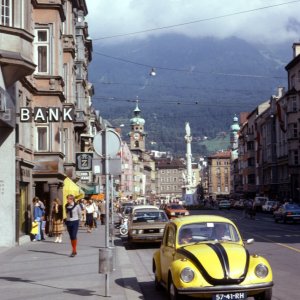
(144,207)
(199,218)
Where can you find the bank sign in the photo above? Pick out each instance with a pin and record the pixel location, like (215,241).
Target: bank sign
(44,114)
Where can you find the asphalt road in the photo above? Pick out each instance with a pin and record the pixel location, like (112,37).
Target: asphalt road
(279,243)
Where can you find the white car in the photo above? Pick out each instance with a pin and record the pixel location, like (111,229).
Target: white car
(224,204)
(268,206)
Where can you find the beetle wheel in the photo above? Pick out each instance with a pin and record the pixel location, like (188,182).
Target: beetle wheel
(172,291)
(266,295)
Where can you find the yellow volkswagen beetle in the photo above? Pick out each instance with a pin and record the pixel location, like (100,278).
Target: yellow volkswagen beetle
(204,256)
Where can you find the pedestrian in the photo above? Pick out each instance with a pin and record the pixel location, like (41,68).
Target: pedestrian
(90,209)
(102,212)
(95,213)
(57,220)
(38,214)
(73,212)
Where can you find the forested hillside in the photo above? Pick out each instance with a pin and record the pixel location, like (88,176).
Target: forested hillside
(202,81)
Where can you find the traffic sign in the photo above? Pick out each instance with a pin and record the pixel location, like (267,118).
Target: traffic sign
(113,141)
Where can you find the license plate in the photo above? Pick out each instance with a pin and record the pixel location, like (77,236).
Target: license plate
(231,296)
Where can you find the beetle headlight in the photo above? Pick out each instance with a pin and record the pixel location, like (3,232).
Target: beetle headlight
(187,275)
(261,271)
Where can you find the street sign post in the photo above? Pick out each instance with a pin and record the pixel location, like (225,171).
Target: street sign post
(107,144)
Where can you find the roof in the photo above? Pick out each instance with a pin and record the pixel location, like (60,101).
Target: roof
(221,154)
(199,218)
(144,207)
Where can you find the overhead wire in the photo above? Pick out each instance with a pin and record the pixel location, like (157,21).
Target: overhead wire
(196,21)
(188,70)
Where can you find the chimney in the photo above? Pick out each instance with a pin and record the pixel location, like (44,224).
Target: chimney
(296,49)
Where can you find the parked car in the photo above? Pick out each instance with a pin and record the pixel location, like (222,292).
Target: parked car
(174,210)
(146,225)
(239,204)
(268,206)
(287,212)
(224,204)
(141,207)
(205,256)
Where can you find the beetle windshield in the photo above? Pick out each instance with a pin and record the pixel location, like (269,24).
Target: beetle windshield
(207,231)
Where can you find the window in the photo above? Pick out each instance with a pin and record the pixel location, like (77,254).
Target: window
(295,130)
(294,104)
(42,142)
(170,240)
(6,12)
(41,50)
(296,157)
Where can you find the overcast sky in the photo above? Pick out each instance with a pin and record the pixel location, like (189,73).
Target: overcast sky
(114,17)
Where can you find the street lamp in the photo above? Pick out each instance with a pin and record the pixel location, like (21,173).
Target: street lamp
(152,72)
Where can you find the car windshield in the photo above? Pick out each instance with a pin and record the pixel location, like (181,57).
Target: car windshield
(149,216)
(207,231)
(292,206)
(175,206)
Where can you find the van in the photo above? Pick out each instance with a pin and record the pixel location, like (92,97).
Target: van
(259,201)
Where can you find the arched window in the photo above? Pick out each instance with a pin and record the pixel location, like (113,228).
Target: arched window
(137,144)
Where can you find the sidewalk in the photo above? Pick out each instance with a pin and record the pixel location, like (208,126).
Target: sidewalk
(44,270)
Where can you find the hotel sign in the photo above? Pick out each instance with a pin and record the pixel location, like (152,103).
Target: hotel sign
(44,114)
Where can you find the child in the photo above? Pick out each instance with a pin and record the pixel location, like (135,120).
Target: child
(34,230)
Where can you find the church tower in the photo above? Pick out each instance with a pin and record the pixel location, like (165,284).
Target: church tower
(137,134)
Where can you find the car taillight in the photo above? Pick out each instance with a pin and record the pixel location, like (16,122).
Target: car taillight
(289,213)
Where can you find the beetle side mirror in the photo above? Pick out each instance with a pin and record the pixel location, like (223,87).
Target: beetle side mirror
(249,241)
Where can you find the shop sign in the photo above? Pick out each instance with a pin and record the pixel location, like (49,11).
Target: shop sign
(44,114)
(84,161)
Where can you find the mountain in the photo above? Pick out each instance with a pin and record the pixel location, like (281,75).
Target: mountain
(203,81)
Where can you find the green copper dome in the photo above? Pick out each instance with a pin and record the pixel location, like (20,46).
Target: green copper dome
(137,119)
(235,126)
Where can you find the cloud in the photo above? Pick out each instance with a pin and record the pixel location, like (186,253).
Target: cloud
(271,25)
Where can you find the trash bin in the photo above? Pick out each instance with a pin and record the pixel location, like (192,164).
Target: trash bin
(106,260)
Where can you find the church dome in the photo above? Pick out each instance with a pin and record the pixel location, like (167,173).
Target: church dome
(235,126)
(137,119)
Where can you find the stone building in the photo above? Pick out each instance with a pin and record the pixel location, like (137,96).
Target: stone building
(45,51)
(219,174)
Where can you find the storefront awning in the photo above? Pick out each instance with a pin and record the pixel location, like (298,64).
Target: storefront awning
(98,197)
(89,189)
(70,187)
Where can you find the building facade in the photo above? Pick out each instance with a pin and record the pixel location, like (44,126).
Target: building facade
(219,174)
(16,62)
(169,178)
(44,88)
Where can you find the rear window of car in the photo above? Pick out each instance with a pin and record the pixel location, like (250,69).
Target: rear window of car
(149,216)
(176,206)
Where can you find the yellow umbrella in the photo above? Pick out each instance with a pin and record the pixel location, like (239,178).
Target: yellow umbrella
(70,187)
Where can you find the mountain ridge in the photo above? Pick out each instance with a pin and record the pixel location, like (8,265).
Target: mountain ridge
(204,81)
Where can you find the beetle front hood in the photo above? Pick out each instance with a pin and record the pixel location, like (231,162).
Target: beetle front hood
(219,263)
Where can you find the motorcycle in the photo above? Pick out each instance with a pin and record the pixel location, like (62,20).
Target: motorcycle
(124,226)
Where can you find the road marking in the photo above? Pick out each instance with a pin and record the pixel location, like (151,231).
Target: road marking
(279,244)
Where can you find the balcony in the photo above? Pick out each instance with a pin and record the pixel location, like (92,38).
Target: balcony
(15,54)
(69,44)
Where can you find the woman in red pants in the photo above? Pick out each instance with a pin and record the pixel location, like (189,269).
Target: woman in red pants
(73,212)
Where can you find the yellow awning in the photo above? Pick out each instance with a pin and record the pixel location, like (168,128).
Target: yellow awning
(70,187)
